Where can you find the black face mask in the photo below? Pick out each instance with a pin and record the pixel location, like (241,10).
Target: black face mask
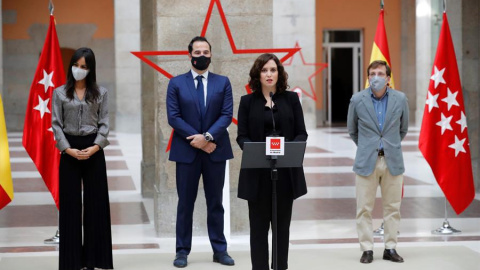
(201,62)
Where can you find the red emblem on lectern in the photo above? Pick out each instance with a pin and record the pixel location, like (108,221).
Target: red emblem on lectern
(275,144)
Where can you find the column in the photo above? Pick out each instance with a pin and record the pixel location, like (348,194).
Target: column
(171,27)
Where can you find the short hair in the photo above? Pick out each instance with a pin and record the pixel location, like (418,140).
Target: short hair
(377,63)
(195,39)
(254,81)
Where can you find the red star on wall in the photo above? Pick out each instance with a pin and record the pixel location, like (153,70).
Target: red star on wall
(143,55)
(311,94)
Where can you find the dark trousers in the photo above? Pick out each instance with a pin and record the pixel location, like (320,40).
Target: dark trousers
(260,214)
(188,176)
(96,249)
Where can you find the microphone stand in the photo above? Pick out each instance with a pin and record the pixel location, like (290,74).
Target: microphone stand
(274,178)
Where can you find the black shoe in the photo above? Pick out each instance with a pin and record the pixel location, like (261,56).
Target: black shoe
(223,258)
(180,260)
(392,255)
(367,256)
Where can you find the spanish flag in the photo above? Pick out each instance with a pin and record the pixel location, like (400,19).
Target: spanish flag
(380,47)
(6,186)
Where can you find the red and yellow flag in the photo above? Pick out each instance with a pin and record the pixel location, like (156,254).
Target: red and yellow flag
(380,46)
(6,186)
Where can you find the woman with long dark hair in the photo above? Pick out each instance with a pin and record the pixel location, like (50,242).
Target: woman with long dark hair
(80,124)
(267,76)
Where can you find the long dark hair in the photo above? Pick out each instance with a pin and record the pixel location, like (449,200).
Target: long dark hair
(91,93)
(254,81)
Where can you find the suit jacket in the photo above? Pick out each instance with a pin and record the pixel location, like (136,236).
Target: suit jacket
(363,128)
(251,129)
(185,117)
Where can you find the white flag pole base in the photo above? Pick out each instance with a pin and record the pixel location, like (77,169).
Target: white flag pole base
(54,240)
(446,229)
(380,231)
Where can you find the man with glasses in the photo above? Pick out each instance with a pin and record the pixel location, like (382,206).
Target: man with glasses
(377,122)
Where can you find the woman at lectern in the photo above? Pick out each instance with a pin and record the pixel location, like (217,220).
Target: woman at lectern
(270,110)
(80,124)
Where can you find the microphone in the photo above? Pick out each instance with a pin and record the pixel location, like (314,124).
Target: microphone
(271,110)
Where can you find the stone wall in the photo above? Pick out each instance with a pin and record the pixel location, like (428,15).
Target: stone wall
(127,67)
(174,25)
(294,21)
(408,56)
(148,37)
(470,78)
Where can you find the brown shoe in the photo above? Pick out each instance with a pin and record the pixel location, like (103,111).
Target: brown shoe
(392,255)
(367,256)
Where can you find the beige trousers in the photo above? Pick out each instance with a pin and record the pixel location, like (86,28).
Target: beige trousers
(366,189)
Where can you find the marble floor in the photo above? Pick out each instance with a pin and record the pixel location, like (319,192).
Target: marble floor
(323,220)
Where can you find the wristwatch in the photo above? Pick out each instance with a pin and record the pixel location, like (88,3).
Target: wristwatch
(208,137)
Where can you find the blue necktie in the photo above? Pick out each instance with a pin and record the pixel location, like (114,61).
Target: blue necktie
(200,93)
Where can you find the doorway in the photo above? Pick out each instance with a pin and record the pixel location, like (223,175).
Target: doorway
(343,53)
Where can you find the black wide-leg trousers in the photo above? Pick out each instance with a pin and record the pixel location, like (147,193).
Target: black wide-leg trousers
(94,249)
(260,215)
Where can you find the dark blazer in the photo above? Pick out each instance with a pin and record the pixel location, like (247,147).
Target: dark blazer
(184,115)
(251,129)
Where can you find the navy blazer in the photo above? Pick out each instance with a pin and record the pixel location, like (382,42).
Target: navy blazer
(184,116)
(251,129)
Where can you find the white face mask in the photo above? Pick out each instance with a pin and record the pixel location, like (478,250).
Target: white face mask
(78,73)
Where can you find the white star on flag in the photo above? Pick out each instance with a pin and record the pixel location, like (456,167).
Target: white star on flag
(445,123)
(47,80)
(431,101)
(438,76)
(458,146)
(462,121)
(42,106)
(51,130)
(451,99)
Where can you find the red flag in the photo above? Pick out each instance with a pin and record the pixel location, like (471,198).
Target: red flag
(443,136)
(38,137)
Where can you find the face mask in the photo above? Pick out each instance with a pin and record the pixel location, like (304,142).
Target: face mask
(201,62)
(79,74)
(377,83)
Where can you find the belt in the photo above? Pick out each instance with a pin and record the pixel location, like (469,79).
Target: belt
(381,153)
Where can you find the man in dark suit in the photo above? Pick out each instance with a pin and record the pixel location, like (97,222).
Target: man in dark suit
(377,123)
(199,109)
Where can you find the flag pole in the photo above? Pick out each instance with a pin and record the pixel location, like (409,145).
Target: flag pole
(55,239)
(50,7)
(381,230)
(446,228)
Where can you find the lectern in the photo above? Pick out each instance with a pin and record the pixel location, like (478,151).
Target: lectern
(254,157)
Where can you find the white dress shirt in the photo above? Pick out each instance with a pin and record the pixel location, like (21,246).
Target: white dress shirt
(205,82)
